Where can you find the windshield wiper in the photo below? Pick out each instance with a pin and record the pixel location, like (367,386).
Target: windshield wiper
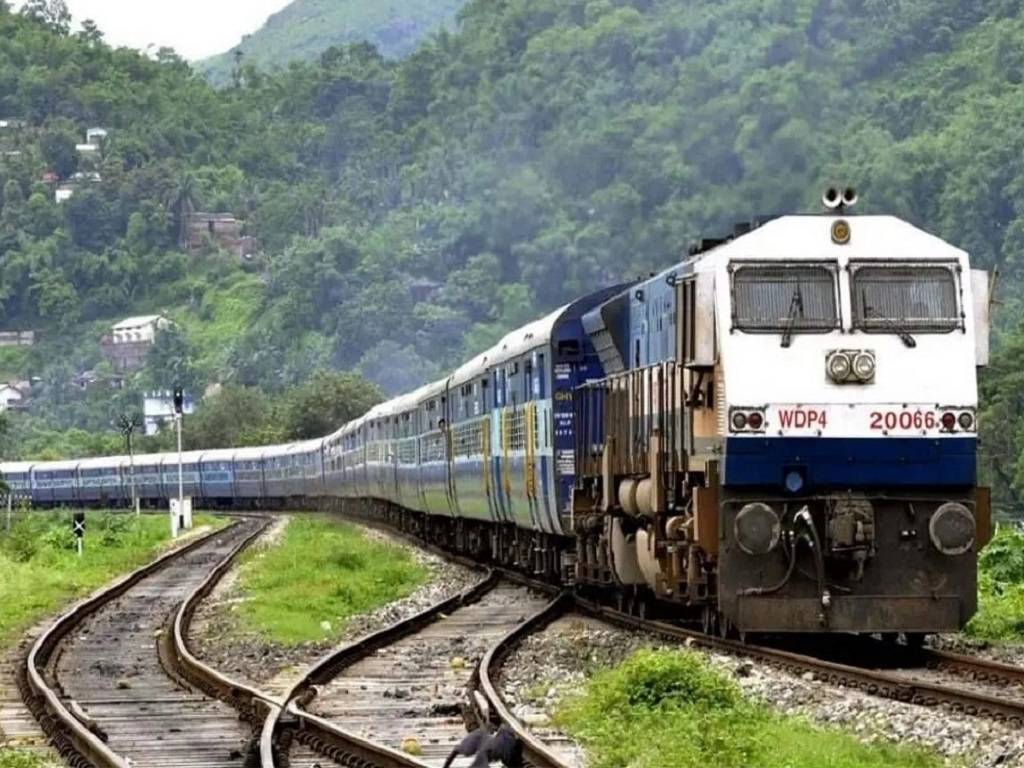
(887,323)
(796,306)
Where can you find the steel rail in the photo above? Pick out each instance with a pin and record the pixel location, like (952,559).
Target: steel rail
(872,681)
(536,751)
(329,738)
(73,739)
(252,704)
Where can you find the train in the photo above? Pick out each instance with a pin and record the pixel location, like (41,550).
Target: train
(775,434)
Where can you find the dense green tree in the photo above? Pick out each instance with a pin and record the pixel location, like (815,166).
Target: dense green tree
(325,403)
(171,362)
(234,416)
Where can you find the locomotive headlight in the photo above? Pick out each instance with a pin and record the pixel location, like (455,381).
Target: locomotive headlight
(864,366)
(739,421)
(839,367)
(966,420)
(757,529)
(952,529)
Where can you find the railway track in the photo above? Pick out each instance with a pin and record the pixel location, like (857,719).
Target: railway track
(366,704)
(107,679)
(865,672)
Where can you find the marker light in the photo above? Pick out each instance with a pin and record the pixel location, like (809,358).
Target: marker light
(966,420)
(739,420)
(755,421)
(948,421)
(864,366)
(839,367)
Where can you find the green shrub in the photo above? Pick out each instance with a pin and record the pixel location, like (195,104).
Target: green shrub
(1000,613)
(670,708)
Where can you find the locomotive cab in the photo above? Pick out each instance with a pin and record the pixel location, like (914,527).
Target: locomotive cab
(848,483)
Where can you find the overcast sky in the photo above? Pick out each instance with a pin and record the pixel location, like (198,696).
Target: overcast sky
(194,28)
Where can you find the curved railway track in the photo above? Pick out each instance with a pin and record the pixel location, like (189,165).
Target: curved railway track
(106,680)
(414,680)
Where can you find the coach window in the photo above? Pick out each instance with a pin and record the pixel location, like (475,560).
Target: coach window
(484,399)
(905,298)
(784,298)
(527,380)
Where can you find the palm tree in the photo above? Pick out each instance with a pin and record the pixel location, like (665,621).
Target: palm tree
(182,203)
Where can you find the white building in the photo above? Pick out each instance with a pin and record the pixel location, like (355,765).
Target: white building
(158,410)
(11,396)
(138,330)
(95,136)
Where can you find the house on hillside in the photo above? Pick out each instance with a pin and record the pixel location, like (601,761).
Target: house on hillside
(219,230)
(96,136)
(14,395)
(130,340)
(17,338)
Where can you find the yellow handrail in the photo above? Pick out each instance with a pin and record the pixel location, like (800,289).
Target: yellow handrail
(485,439)
(505,439)
(530,466)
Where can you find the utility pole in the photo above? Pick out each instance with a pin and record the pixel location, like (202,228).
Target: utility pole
(128,425)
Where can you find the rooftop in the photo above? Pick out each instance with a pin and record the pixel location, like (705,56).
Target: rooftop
(137,322)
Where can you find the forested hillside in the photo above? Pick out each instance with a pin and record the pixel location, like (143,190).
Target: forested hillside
(408,212)
(306,28)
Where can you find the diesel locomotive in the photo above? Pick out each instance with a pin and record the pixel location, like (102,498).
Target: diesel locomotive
(776,434)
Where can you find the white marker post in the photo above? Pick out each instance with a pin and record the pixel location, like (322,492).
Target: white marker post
(10,508)
(78,526)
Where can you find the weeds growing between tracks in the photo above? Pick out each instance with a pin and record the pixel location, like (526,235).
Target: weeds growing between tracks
(42,571)
(321,573)
(670,708)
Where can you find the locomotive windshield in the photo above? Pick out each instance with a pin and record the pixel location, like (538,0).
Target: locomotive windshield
(787,298)
(902,298)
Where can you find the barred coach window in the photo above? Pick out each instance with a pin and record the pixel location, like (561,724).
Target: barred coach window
(904,297)
(793,298)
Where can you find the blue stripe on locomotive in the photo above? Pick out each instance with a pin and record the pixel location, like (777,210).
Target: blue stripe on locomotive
(851,462)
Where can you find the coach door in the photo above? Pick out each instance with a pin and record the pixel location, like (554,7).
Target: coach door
(696,347)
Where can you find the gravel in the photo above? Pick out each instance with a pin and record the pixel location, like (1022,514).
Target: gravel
(1007,653)
(555,663)
(219,639)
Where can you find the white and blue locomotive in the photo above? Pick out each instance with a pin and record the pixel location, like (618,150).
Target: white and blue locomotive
(777,434)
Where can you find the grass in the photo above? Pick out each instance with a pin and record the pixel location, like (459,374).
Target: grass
(320,574)
(15,758)
(42,571)
(1000,614)
(670,708)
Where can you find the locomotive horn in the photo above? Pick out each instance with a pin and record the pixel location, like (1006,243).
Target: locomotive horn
(832,198)
(849,197)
